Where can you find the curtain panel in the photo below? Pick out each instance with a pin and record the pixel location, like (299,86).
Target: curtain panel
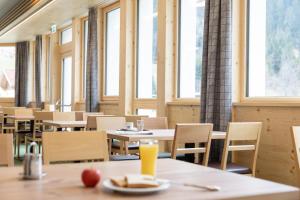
(92,92)
(21,73)
(38,63)
(216,85)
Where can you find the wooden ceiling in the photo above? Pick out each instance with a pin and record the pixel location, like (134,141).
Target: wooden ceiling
(6,5)
(45,13)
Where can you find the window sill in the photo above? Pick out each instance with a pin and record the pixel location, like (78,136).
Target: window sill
(266,104)
(184,103)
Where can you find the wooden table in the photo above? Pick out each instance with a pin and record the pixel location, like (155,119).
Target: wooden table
(63,182)
(158,134)
(65,124)
(17,119)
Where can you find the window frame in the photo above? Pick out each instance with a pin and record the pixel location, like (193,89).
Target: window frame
(83,64)
(7,99)
(176,87)
(140,103)
(103,26)
(61,30)
(242,39)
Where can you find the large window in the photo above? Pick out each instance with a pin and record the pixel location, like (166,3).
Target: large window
(191,24)
(273,48)
(66,92)
(66,36)
(7,71)
(112,55)
(85,44)
(147,49)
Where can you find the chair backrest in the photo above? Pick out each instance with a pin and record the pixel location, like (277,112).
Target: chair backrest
(155,122)
(296,144)
(6,149)
(74,146)
(64,116)
(134,118)
(91,119)
(10,110)
(193,133)
(23,112)
(246,132)
(110,123)
(43,115)
(49,107)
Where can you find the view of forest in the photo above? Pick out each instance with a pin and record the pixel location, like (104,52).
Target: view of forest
(283,48)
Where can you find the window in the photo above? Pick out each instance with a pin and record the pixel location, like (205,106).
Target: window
(7,71)
(112,49)
(66,84)
(147,49)
(191,24)
(273,48)
(148,112)
(66,36)
(85,43)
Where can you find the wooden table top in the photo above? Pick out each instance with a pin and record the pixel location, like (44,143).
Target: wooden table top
(20,117)
(158,134)
(65,124)
(63,182)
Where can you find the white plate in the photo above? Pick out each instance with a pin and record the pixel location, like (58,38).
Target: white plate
(163,185)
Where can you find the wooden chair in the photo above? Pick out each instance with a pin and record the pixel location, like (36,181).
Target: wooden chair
(134,118)
(193,133)
(74,146)
(91,122)
(6,149)
(9,125)
(295,131)
(115,123)
(155,122)
(241,136)
(64,116)
(110,123)
(36,135)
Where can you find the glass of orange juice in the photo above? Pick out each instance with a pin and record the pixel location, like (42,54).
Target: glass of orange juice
(148,155)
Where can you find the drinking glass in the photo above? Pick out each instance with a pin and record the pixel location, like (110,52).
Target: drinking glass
(148,155)
(140,125)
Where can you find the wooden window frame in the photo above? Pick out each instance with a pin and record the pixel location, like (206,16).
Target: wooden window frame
(176,98)
(140,103)
(102,62)
(60,35)
(240,25)
(82,70)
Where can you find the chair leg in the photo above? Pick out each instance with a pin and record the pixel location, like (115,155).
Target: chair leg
(26,144)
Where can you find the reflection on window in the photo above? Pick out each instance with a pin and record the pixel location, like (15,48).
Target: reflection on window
(147,49)
(191,24)
(67,84)
(147,112)
(112,50)
(66,36)
(85,40)
(7,71)
(274,48)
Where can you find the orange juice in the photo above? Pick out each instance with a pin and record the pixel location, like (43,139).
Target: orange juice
(148,154)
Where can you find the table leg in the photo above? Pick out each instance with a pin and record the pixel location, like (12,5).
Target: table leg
(126,147)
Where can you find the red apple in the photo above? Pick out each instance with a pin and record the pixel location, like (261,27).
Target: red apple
(90,177)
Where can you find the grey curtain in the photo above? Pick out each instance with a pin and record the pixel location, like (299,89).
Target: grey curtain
(216,92)
(38,63)
(21,74)
(92,92)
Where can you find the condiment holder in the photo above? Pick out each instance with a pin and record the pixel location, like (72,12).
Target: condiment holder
(33,164)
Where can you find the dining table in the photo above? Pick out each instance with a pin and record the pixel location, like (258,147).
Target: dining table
(156,134)
(65,124)
(63,181)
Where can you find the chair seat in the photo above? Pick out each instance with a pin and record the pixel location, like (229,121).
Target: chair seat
(123,157)
(232,167)
(162,155)
(131,146)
